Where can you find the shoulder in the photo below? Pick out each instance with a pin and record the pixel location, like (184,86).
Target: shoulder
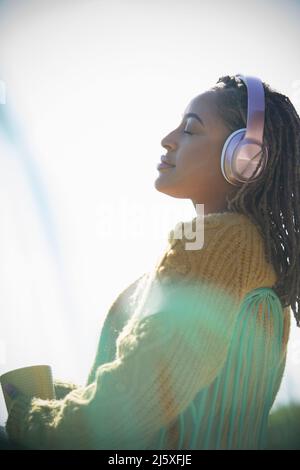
(232,254)
(216,226)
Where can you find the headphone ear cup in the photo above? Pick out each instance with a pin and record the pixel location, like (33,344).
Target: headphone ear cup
(229,150)
(241,157)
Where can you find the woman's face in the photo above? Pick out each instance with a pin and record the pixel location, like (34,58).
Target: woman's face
(194,148)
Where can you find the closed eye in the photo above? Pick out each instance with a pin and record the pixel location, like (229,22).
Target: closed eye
(187,126)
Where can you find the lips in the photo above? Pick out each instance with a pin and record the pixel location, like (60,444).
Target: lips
(165,162)
(162,165)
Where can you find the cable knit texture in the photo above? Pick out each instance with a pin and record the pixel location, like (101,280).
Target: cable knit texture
(191,355)
(62,389)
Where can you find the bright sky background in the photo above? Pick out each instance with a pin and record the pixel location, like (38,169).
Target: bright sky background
(92,87)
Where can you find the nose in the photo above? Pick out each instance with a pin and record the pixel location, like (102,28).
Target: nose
(168,142)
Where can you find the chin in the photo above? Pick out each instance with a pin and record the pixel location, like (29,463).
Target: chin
(161,185)
(169,190)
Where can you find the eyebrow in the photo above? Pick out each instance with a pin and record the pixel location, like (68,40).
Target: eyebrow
(194,115)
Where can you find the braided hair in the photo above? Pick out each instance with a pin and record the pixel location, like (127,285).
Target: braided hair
(272,201)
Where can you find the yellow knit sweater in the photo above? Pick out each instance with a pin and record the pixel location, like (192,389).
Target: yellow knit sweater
(191,355)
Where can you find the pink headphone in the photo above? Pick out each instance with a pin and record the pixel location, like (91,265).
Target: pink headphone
(242,149)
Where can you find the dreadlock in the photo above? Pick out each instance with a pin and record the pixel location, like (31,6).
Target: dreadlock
(272,200)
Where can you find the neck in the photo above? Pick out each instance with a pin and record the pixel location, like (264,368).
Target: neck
(211,207)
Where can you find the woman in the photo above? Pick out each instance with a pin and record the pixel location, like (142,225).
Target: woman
(191,355)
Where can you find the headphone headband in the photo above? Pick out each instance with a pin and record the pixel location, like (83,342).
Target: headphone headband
(255,108)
